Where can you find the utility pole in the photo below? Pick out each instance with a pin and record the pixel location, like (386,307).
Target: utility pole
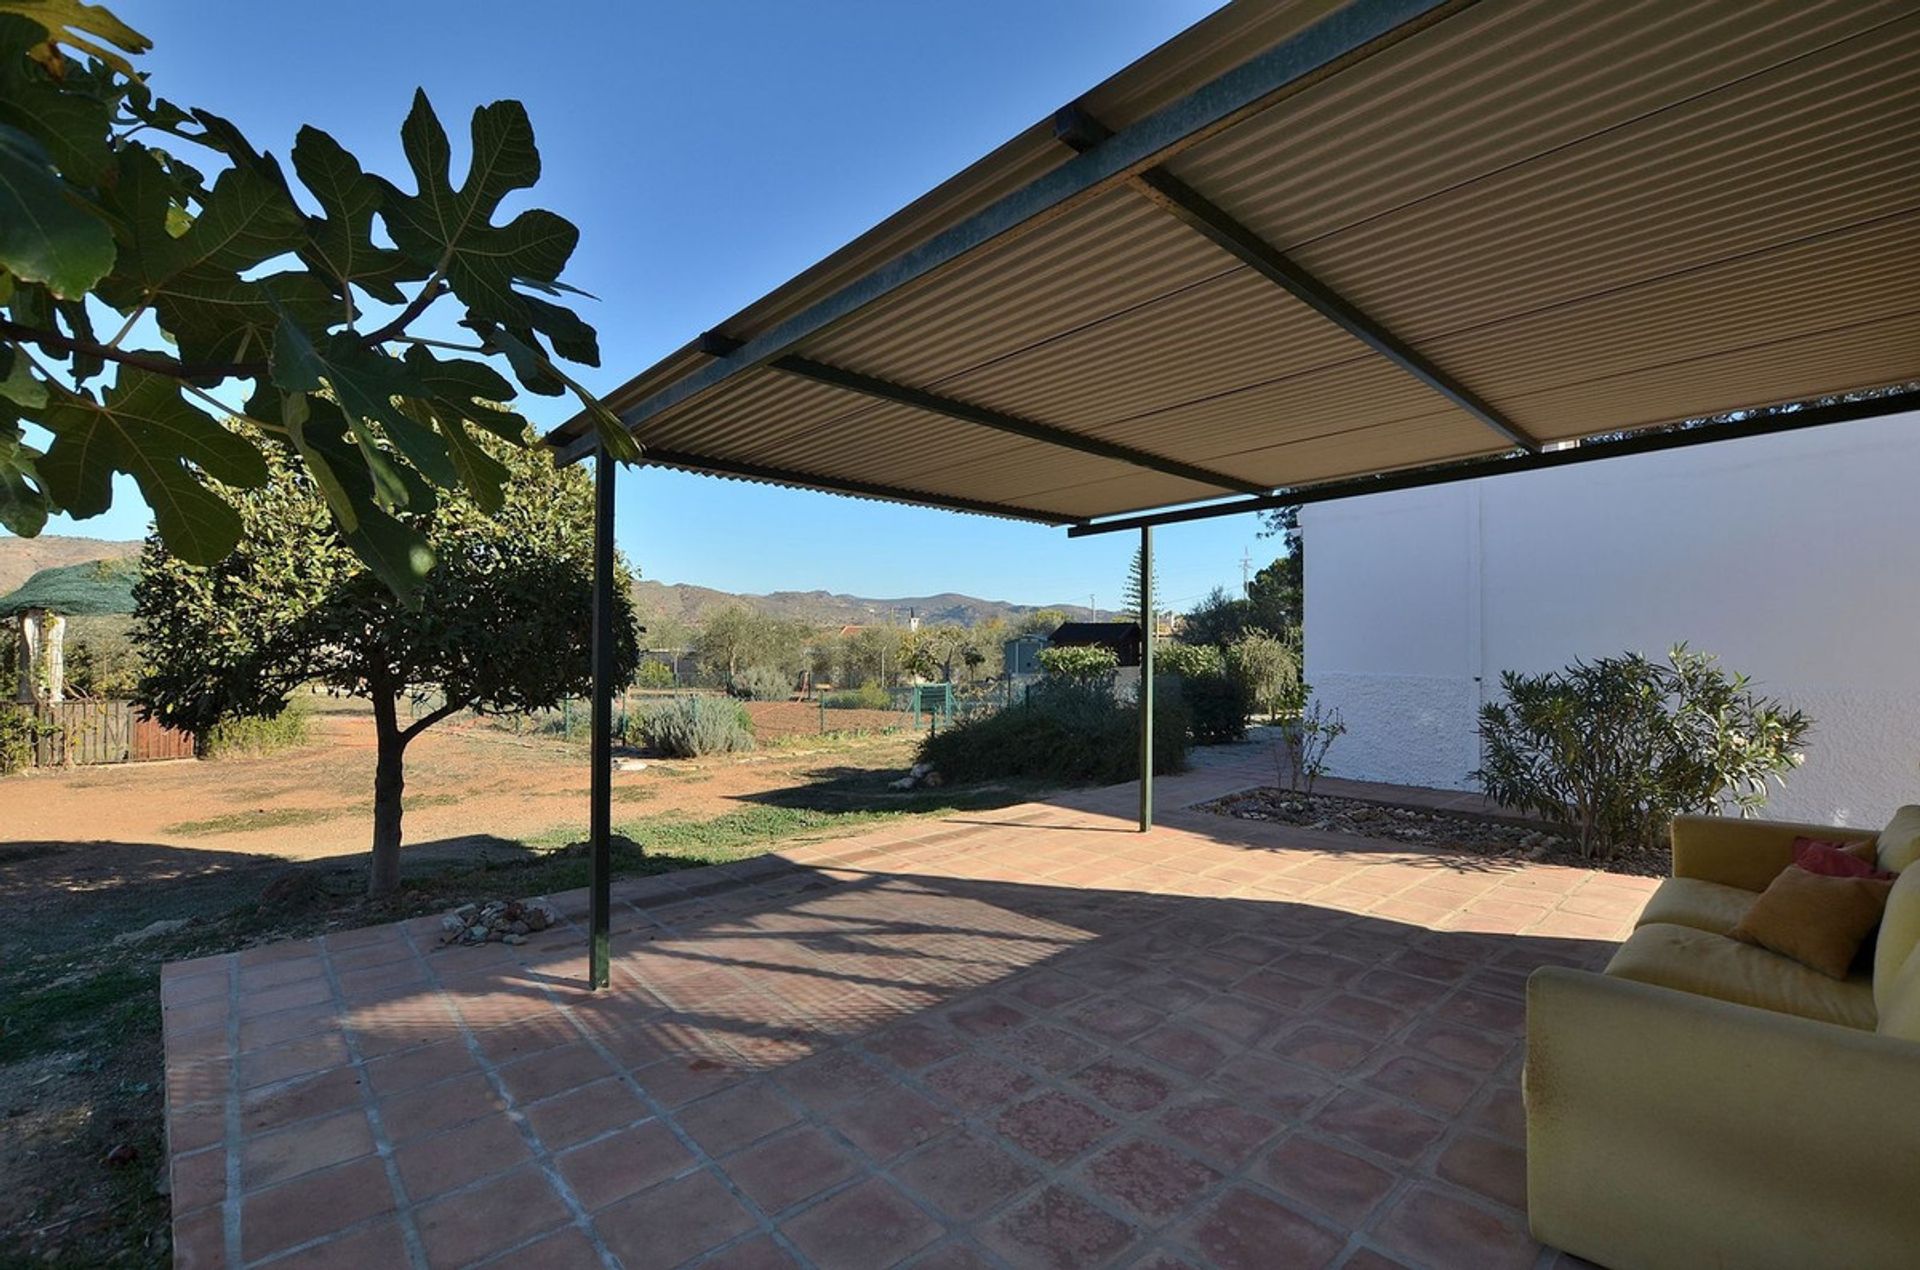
(1092,607)
(1246,562)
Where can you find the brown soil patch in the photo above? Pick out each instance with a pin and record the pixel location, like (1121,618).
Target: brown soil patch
(780,720)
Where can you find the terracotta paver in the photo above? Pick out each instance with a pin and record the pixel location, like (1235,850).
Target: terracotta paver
(1029,1037)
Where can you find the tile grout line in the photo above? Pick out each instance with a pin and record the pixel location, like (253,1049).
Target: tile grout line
(543,1159)
(705,1161)
(382,1143)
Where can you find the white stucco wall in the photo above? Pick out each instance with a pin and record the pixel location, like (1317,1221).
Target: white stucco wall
(1796,558)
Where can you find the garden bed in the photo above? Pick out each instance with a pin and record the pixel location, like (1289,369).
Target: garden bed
(1489,836)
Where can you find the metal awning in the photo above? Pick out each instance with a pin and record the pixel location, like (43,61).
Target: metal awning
(1306,241)
(1310,249)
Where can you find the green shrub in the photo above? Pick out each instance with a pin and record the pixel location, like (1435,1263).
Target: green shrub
(248,737)
(762,683)
(19,729)
(865,697)
(689,727)
(654,674)
(1218,705)
(1065,731)
(1268,667)
(1615,748)
(1085,663)
(1188,660)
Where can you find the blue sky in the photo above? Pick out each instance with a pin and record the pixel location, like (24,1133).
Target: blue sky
(708,152)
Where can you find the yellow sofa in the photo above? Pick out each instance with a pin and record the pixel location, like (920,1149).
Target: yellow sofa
(1705,1103)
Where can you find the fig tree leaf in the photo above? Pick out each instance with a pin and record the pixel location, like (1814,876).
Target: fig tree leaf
(397,553)
(452,229)
(142,426)
(23,504)
(343,238)
(86,27)
(47,232)
(524,354)
(215,316)
(365,382)
(70,121)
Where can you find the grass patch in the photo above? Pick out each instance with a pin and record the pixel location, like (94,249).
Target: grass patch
(259,818)
(633,793)
(45,1020)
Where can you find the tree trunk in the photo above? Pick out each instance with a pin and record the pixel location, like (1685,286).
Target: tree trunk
(389,783)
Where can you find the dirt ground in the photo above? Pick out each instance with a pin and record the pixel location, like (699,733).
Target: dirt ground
(469,783)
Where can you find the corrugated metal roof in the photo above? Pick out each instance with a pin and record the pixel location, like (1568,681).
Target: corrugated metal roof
(1590,216)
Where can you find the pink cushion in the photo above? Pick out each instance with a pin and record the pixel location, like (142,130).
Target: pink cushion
(1834,860)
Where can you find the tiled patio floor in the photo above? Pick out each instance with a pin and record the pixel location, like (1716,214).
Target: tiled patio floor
(1021,1038)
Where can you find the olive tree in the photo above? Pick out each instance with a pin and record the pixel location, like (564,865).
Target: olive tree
(218,272)
(502,623)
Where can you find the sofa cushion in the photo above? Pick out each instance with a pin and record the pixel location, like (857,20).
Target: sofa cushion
(1817,920)
(1899,842)
(1839,860)
(1896,954)
(1708,906)
(1710,965)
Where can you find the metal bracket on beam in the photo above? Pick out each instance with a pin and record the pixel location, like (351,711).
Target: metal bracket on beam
(715,344)
(1082,132)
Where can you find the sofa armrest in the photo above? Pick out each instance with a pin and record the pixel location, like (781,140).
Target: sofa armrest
(1667,1129)
(1744,853)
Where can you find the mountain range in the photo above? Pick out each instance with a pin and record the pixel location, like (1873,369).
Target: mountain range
(669,607)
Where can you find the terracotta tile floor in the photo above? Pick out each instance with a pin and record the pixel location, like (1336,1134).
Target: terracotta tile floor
(1021,1038)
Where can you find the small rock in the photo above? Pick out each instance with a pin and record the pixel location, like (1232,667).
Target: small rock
(466,911)
(153,930)
(513,939)
(630,765)
(452,924)
(933,780)
(518,928)
(537,919)
(919,769)
(905,782)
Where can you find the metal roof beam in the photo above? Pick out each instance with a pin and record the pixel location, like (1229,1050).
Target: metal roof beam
(1643,442)
(1350,32)
(1083,132)
(843,485)
(718,345)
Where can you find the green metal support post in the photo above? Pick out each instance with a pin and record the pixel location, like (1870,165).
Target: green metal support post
(600,789)
(1146,678)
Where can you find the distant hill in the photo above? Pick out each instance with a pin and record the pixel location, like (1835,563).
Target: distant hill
(21,558)
(663,605)
(667,605)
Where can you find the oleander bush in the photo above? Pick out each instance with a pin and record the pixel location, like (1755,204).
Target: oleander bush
(1614,748)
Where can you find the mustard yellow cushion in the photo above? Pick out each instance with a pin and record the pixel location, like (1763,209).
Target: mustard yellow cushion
(1709,965)
(1708,906)
(1899,842)
(1817,920)
(1896,954)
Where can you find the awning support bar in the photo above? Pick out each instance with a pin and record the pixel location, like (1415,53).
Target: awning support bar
(1083,132)
(714,344)
(600,786)
(1758,423)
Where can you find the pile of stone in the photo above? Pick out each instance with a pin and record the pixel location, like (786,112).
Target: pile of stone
(921,775)
(501,921)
